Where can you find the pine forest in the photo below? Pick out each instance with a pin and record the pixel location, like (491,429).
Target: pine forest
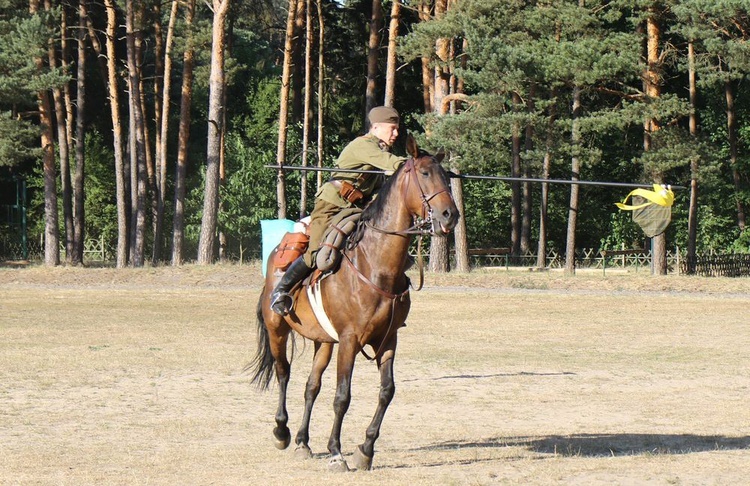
(154,126)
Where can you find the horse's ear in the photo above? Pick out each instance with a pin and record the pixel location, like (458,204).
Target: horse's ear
(411,146)
(440,156)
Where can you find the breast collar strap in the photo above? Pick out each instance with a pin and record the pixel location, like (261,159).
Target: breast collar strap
(393,298)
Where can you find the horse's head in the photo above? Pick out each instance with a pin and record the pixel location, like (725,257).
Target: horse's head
(428,194)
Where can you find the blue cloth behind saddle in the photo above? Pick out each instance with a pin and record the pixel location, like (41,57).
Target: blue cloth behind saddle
(272,230)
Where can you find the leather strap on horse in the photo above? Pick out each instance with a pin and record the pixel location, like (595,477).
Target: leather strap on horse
(393,297)
(420,265)
(371,284)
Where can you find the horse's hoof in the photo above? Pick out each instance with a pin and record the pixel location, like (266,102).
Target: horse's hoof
(337,464)
(283,438)
(281,444)
(302,451)
(361,461)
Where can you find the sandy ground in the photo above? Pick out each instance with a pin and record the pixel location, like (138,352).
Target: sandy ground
(135,376)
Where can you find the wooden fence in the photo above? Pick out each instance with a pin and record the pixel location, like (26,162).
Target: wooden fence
(711,264)
(715,265)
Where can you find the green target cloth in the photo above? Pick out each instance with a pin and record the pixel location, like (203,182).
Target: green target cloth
(652,210)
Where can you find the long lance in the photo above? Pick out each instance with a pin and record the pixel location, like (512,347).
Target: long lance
(453,175)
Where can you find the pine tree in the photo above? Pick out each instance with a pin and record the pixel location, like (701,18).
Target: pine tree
(26,81)
(206,244)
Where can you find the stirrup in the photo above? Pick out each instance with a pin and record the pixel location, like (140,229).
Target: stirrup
(282,303)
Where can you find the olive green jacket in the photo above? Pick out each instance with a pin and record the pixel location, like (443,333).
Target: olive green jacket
(362,153)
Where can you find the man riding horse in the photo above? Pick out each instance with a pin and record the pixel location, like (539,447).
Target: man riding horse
(344,190)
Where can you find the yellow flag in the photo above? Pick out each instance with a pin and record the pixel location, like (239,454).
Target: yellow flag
(661,195)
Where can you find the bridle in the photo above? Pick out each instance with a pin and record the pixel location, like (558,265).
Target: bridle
(423,224)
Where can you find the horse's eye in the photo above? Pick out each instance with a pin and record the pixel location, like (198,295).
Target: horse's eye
(425,173)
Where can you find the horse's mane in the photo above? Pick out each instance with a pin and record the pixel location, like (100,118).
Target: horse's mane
(377,206)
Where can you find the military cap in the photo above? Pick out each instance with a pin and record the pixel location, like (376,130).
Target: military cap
(383,114)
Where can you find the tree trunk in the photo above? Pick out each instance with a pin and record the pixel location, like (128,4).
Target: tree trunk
(114,106)
(321,91)
(541,249)
(390,70)
(652,84)
(526,192)
(541,252)
(186,96)
(79,226)
(427,75)
(515,186)
(163,132)
(298,65)
(152,192)
(62,141)
(66,171)
(439,261)
(307,110)
(460,238)
(284,110)
(97,46)
(138,144)
(732,134)
(693,208)
(461,242)
(159,100)
(132,173)
(228,36)
(51,238)
(575,174)
(373,49)
(209,223)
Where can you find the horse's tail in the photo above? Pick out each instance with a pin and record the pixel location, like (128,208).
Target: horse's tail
(262,366)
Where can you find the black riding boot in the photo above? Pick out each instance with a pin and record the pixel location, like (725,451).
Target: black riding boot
(281,301)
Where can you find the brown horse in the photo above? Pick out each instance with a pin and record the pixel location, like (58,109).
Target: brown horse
(367,301)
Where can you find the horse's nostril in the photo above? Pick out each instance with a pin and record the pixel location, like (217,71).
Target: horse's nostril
(450,216)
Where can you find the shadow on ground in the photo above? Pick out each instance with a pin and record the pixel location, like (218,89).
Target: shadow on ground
(598,445)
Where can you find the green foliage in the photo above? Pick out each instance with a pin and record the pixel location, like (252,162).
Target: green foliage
(623,232)
(100,206)
(249,194)
(487,214)
(23,38)
(742,243)
(671,148)
(17,139)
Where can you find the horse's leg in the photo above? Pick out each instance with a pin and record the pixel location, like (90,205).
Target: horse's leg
(363,455)
(322,357)
(348,348)
(278,349)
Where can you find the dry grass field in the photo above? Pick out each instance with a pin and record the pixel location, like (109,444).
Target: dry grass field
(135,377)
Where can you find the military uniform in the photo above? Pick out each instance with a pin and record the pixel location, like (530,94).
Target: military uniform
(363,153)
(344,190)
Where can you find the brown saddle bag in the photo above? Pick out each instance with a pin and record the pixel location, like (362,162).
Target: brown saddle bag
(292,246)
